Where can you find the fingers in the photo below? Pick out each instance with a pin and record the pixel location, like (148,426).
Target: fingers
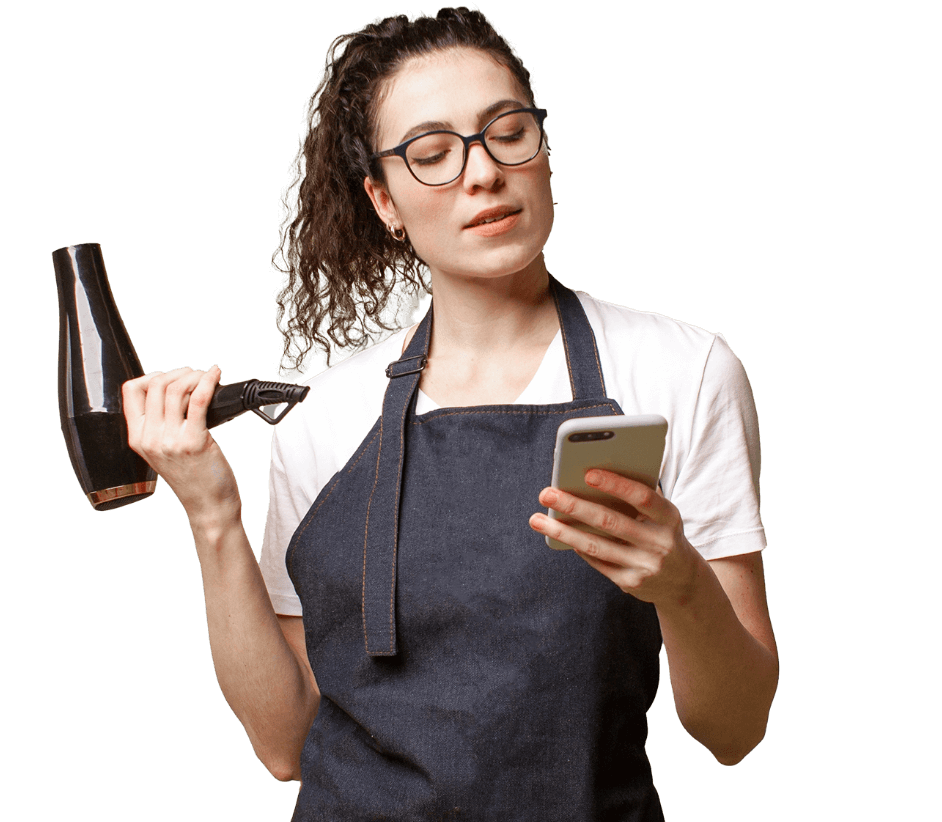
(182,390)
(573,513)
(573,509)
(610,549)
(167,395)
(643,498)
(631,503)
(202,395)
(168,399)
(636,516)
(134,395)
(134,391)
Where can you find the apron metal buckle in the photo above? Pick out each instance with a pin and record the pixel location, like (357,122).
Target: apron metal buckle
(400,368)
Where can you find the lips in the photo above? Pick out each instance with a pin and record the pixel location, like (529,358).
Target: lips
(491,215)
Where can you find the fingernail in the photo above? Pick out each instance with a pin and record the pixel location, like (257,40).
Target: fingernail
(593,477)
(550,496)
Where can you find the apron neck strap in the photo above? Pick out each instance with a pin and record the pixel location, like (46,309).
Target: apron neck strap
(582,354)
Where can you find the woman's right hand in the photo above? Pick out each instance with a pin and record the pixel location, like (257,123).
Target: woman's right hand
(166,418)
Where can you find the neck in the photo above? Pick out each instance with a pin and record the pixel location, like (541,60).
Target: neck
(492,314)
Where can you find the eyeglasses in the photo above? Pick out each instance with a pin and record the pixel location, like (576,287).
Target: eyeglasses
(437,158)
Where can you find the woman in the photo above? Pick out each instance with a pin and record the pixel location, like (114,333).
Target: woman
(447,663)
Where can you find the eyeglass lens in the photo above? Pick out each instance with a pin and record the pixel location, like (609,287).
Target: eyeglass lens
(511,139)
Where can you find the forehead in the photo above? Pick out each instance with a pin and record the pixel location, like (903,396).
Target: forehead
(452,86)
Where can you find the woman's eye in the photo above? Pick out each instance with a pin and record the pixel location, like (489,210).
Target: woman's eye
(429,159)
(432,149)
(509,138)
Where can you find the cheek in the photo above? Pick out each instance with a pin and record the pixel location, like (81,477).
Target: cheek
(422,206)
(544,198)
(424,215)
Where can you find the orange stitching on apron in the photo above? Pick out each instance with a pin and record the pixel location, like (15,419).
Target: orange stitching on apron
(485,409)
(562,332)
(392,589)
(598,364)
(366,530)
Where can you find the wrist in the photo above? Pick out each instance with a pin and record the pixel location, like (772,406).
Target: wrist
(211,526)
(695,585)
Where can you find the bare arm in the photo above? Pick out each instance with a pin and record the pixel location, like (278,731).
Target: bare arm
(722,656)
(265,680)
(259,659)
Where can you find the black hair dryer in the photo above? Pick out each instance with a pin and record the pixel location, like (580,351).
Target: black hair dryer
(96,358)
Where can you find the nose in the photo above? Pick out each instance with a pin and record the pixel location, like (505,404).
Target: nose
(481,170)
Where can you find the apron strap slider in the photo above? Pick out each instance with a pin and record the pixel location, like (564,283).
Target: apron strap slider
(400,368)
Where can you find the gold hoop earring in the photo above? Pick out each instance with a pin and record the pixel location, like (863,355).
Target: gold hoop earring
(398,233)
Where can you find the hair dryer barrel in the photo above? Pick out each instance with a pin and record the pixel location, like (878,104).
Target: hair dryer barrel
(96,358)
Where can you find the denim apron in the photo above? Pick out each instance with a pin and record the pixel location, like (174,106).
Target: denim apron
(467,671)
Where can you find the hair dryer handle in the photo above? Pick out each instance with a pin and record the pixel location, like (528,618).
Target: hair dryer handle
(254,395)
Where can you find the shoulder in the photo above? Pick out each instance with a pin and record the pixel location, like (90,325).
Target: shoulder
(363,373)
(619,325)
(651,359)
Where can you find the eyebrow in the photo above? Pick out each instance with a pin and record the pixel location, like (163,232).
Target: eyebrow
(483,118)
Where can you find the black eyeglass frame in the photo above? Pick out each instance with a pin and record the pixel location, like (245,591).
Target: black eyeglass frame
(400,150)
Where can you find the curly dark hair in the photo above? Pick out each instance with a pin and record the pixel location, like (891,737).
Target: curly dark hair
(342,265)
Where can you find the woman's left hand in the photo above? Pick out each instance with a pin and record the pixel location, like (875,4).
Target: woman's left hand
(646,556)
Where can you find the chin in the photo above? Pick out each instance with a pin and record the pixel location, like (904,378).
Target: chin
(500,260)
(495,266)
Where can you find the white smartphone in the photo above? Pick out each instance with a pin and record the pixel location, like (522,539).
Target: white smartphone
(630,446)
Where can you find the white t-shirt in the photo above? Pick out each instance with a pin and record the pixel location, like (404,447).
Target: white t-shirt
(651,365)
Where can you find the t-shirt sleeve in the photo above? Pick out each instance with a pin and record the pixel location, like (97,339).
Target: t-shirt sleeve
(285,511)
(716,488)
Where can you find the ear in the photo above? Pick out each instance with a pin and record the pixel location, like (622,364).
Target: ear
(382,203)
